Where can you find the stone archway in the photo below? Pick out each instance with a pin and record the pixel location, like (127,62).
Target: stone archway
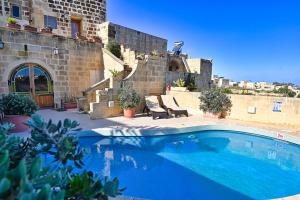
(176,65)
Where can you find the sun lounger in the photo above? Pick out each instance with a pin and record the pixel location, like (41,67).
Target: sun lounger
(153,106)
(172,107)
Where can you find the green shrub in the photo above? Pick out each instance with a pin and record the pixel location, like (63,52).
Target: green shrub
(115,73)
(114,48)
(190,83)
(226,90)
(180,83)
(128,98)
(24,174)
(18,105)
(214,101)
(11,20)
(286,92)
(298,96)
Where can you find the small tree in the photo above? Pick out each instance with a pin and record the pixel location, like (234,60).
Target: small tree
(215,102)
(128,98)
(286,92)
(114,48)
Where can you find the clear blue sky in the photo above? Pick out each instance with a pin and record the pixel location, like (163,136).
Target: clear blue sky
(256,40)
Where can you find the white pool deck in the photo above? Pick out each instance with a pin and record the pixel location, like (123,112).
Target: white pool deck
(145,126)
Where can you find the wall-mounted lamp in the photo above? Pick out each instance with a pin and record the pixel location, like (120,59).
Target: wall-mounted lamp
(55,51)
(1,44)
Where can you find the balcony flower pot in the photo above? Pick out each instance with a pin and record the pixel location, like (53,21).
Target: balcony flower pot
(19,122)
(30,28)
(129,112)
(47,30)
(14,26)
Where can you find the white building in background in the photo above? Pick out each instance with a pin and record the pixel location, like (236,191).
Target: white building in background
(265,86)
(247,85)
(220,82)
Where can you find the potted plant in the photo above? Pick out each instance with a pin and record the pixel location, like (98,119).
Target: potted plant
(129,100)
(69,102)
(17,110)
(214,103)
(179,85)
(30,28)
(97,39)
(47,30)
(12,23)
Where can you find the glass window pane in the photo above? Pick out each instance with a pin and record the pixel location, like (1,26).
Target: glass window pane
(22,80)
(15,11)
(50,21)
(41,80)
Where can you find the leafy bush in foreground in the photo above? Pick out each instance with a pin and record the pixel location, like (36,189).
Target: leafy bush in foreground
(23,174)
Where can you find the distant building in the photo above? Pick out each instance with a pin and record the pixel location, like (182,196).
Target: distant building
(220,82)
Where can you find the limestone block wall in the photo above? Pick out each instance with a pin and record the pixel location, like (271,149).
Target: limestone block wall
(91,13)
(132,39)
(25,8)
(289,115)
(77,66)
(148,78)
(111,62)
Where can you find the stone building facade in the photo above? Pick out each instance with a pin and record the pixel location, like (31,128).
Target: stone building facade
(72,68)
(64,16)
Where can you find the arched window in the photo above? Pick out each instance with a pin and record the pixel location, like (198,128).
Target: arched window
(32,79)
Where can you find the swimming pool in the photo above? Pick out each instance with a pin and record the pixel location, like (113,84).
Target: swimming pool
(198,165)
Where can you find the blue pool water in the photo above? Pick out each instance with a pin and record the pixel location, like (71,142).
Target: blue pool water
(203,165)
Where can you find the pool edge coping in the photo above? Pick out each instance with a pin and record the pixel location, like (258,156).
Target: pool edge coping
(165,131)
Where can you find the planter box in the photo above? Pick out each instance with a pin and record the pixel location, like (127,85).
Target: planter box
(46,30)
(179,89)
(71,105)
(18,121)
(14,26)
(30,28)
(97,40)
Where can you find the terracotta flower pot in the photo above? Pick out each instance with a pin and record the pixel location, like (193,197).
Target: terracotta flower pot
(213,116)
(18,121)
(129,113)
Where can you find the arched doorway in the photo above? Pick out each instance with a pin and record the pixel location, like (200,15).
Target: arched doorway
(32,79)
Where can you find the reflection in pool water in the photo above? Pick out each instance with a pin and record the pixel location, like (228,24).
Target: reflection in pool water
(204,165)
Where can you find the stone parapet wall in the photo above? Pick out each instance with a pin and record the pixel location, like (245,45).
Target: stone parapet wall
(264,105)
(77,66)
(132,39)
